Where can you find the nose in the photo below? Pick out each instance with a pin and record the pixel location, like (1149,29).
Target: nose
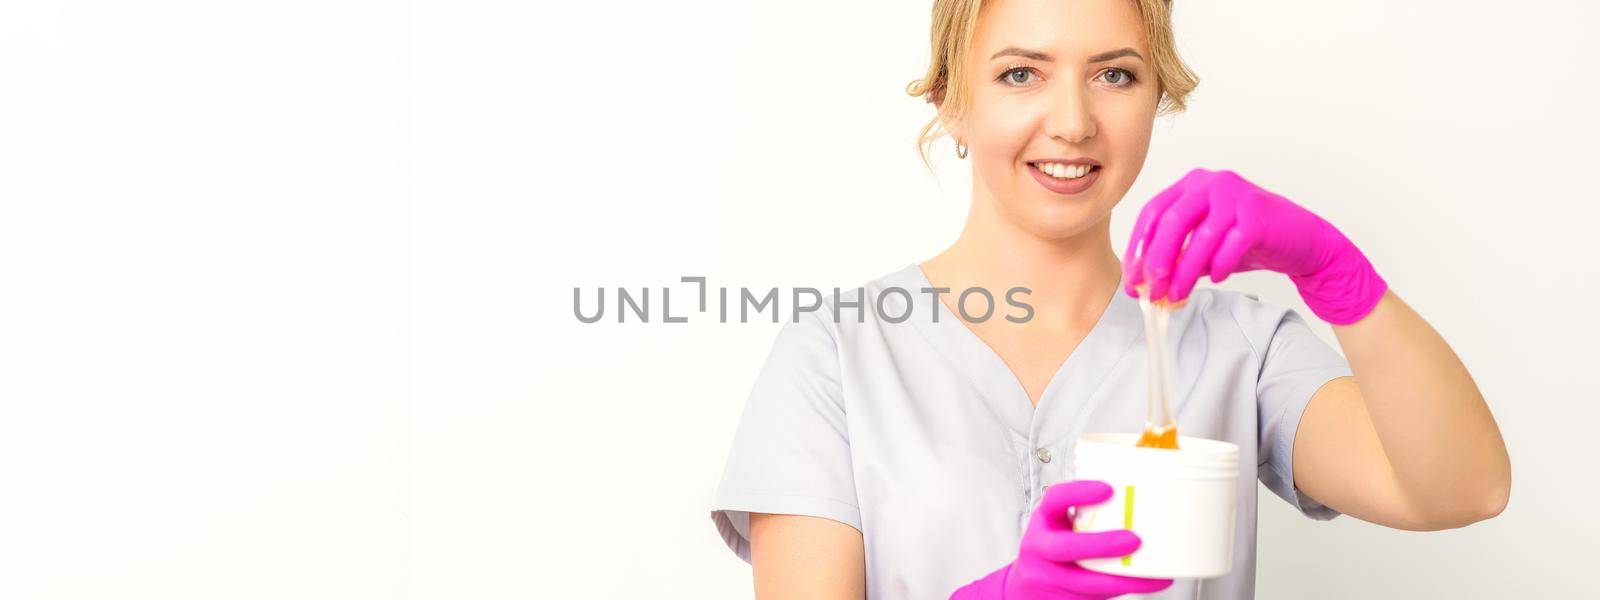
(1071,117)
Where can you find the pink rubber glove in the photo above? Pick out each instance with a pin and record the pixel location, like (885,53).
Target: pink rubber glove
(1045,567)
(1240,227)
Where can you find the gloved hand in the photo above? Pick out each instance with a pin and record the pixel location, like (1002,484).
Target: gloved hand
(1045,567)
(1240,227)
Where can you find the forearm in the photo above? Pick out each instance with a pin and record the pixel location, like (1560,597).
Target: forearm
(1438,434)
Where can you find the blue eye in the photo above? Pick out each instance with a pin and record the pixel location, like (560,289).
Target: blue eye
(1117,77)
(1009,80)
(1018,77)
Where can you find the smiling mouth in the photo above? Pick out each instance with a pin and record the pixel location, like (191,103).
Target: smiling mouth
(1064,172)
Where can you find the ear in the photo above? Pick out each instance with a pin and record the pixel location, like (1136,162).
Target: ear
(953,126)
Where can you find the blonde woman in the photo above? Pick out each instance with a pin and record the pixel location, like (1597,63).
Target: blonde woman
(893,453)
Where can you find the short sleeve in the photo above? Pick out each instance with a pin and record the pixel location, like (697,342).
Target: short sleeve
(1295,363)
(791,451)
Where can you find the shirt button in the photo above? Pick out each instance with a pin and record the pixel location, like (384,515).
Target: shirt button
(1043,454)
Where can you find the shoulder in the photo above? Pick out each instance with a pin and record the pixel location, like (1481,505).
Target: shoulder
(842,311)
(892,295)
(1240,305)
(888,286)
(1255,320)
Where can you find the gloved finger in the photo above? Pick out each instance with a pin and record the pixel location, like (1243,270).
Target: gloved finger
(1143,228)
(1077,579)
(1070,546)
(1161,254)
(1052,511)
(1230,255)
(1196,257)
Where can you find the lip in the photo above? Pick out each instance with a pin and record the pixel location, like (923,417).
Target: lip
(1065,186)
(1067,161)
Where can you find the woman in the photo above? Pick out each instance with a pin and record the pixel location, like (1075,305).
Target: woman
(914,459)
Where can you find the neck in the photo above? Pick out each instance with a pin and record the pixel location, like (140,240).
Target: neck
(1072,280)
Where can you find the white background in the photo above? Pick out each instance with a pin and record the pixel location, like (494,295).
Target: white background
(286,288)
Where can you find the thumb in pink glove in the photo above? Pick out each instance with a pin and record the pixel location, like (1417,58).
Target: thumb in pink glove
(1045,567)
(1233,226)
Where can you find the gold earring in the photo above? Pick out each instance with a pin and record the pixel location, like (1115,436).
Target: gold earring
(961,151)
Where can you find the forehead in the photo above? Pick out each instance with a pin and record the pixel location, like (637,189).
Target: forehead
(1061,27)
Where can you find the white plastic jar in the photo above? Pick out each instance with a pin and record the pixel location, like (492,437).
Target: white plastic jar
(1181,503)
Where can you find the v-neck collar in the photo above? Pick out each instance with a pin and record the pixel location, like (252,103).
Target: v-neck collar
(1069,389)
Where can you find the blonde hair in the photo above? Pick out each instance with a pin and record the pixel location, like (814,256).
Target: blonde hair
(953,24)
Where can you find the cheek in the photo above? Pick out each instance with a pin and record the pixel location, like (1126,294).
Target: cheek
(1127,135)
(1003,131)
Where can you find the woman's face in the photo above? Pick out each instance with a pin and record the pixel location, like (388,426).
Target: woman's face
(1058,81)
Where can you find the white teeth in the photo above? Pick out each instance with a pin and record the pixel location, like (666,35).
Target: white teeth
(1061,171)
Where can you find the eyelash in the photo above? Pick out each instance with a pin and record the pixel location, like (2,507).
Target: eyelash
(1132,79)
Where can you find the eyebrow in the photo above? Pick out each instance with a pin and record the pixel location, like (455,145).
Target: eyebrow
(1041,56)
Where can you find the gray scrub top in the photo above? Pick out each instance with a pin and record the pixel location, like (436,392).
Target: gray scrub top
(917,434)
